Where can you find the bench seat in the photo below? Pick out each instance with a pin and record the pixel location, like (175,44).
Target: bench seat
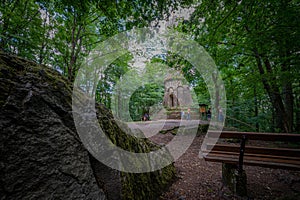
(284,153)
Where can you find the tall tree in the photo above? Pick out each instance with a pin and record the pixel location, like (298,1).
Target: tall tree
(266,32)
(61,33)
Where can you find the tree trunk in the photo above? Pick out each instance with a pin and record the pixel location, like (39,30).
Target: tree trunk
(283,115)
(298,112)
(287,88)
(44,43)
(289,104)
(76,46)
(217,94)
(256,109)
(274,94)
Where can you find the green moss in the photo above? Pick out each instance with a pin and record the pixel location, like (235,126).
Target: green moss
(173,131)
(142,185)
(147,185)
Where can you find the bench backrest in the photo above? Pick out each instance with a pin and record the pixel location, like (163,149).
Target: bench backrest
(241,153)
(288,137)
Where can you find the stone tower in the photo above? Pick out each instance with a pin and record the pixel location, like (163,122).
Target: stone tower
(176,94)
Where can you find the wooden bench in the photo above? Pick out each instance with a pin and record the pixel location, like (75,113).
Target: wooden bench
(235,149)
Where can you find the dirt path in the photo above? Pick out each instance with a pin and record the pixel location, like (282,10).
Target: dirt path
(197,179)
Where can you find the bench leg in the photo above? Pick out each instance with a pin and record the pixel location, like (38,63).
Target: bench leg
(236,181)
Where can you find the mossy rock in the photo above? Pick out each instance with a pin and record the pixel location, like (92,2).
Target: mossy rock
(43,155)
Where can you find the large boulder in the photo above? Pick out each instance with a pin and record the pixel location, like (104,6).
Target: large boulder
(41,155)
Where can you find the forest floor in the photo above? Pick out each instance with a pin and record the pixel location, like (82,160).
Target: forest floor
(198,179)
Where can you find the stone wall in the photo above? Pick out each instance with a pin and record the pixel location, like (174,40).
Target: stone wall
(176,94)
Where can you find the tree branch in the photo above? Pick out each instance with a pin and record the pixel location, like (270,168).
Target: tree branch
(224,19)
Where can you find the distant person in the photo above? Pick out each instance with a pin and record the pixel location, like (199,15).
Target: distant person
(145,117)
(209,114)
(182,114)
(148,116)
(188,116)
(221,116)
(203,112)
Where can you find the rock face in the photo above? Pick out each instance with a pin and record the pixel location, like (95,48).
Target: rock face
(41,155)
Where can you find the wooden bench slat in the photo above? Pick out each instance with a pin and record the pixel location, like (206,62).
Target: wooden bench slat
(267,158)
(234,155)
(256,150)
(249,155)
(229,152)
(256,136)
(257,161)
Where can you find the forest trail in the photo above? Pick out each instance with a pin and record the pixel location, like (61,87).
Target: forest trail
(152,128)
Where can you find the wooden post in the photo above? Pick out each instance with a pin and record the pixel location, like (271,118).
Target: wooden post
(235,180)
(234,176)
(241,156)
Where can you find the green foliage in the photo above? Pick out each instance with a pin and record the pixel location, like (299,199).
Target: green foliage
(255,45)
(143,98)
(61,33)
(139,91)
(110,77)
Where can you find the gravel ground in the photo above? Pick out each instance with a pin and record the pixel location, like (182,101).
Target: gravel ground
(198,179)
